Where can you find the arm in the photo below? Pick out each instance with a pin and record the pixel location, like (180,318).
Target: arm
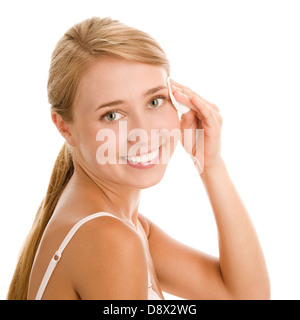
(240,272)
(242,264)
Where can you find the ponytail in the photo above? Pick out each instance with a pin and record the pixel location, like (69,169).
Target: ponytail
(61,174)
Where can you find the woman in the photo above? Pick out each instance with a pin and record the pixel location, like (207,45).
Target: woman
(107,84)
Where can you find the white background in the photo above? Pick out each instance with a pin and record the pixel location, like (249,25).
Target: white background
(243,56)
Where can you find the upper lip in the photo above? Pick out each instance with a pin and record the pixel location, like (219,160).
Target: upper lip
(143,154)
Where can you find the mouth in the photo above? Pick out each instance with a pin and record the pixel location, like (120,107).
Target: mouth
(144,161)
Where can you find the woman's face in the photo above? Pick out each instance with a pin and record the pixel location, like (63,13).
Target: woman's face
(123,122)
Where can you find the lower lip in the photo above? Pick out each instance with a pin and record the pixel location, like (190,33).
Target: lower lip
(146,165)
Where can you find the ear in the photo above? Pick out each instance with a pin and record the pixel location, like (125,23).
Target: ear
(63,128)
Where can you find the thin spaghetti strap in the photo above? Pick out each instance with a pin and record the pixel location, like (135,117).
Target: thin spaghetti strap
(60,250)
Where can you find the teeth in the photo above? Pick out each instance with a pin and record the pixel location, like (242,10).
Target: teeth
(144,158)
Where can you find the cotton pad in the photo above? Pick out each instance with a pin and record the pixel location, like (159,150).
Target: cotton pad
(178,106)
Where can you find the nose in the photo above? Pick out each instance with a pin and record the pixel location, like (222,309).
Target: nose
(142,130)
(139,127)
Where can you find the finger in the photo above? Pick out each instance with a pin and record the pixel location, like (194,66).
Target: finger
(187,120)
(177,84)
(190,93)
(215,108)
(204,109)
(182,88)
(199,107)
(208,113)
(184,99)
(209,103)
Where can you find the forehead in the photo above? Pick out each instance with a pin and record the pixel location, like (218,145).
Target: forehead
(117,78)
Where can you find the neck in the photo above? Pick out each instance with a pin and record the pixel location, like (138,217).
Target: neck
(121,200)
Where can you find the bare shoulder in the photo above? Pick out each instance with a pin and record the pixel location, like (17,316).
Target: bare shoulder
(106,228)
(108,261)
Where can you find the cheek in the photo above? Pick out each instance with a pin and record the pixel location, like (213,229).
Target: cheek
(87,136)
(169,127)
(167,118)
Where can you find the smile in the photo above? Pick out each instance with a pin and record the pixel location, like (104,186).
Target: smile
(144,158)
(144,161)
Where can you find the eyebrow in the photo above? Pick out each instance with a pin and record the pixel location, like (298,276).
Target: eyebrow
(117,102)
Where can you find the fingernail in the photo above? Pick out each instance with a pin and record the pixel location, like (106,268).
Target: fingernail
(176,88)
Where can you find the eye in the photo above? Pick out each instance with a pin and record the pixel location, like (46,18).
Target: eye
(112,116)
(156,102)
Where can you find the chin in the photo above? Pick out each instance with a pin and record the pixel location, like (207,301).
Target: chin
(144,180)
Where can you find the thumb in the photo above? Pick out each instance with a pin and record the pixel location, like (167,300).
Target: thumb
(187,119)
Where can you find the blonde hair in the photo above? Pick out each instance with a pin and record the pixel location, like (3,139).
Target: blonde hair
(82,44)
